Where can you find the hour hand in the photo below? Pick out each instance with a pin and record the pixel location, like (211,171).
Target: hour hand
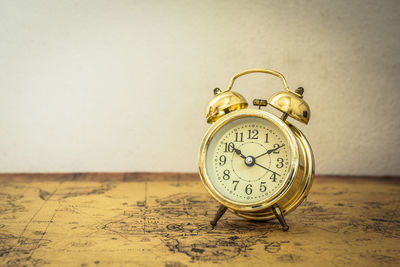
(237,151)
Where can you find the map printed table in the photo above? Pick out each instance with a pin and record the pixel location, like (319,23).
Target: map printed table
(163,220)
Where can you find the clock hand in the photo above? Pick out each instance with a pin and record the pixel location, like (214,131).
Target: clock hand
(249,160)
(237,151)
(266,169)
(270,151)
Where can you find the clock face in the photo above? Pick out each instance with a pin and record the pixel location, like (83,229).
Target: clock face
(249,160)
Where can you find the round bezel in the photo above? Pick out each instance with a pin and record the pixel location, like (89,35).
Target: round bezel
(293,165)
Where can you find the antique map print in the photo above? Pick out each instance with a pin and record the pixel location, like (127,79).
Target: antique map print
(165,222)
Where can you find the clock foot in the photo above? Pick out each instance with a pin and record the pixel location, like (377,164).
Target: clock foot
(279,215)
(221,210)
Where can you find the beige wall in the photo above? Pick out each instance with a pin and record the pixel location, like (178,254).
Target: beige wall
(122,85)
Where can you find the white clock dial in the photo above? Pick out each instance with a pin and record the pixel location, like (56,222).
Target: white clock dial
(248,160)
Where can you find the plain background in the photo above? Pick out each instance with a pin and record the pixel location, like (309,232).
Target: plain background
(122,85)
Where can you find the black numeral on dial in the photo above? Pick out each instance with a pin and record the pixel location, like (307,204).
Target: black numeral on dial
(276,146)
(253,134)
(263,188)
(249,189)
(273,177)
(229,147)
(235,184)
(226,175)
(238,137)
(280,163)
(222,160)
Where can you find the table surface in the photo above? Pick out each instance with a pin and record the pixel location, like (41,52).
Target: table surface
(163,220)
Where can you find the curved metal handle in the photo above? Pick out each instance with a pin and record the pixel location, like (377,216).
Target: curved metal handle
(275,73)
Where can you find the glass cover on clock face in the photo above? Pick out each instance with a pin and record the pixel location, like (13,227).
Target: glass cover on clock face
(248,160)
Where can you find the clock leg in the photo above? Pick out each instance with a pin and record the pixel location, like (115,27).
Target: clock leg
(279,215)
(221,210)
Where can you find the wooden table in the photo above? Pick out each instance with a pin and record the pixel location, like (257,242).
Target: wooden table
(163,220)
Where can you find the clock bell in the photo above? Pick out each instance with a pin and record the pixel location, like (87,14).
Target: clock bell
(291,103)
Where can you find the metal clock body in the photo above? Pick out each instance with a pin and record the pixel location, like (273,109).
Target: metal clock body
(257,165)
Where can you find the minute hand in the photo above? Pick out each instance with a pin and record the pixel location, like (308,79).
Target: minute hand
(266,168)
(270,151)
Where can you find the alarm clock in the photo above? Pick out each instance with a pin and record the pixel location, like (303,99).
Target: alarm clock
(256,164)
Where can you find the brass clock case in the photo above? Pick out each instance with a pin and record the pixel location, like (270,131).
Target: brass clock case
(293,171)
(298,190)
(227,106)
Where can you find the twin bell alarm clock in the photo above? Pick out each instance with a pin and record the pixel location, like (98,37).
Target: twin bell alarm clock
(256,164)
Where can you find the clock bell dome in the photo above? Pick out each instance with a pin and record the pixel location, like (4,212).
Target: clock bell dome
(222,103)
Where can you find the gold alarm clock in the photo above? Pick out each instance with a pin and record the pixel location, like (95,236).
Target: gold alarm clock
(254,163)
